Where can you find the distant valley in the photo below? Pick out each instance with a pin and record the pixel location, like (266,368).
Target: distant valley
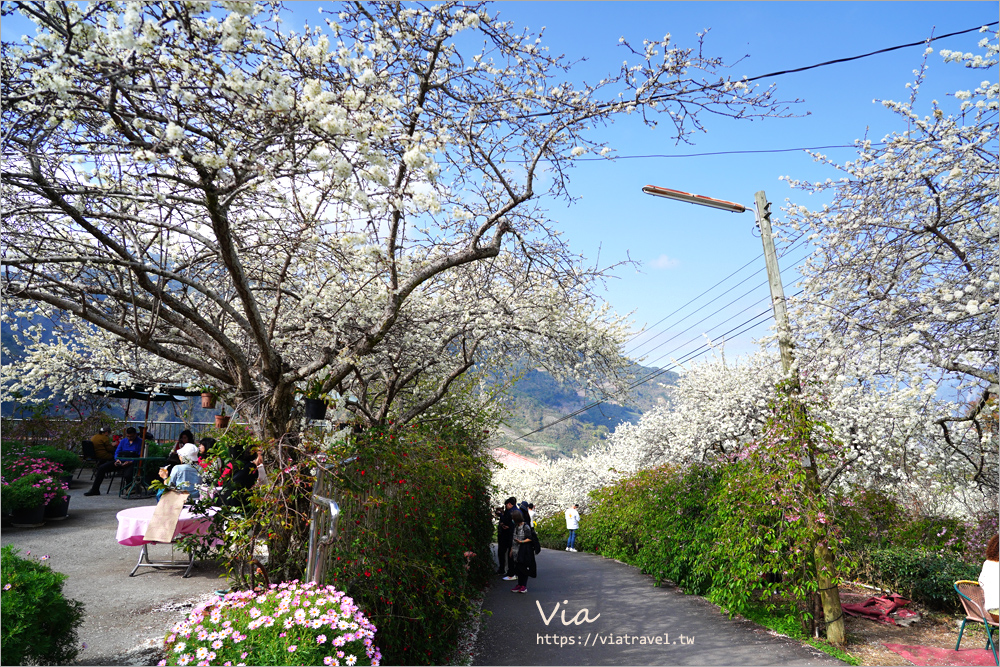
(540,399)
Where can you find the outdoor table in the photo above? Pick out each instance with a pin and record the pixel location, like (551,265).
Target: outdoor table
(147,469)
(132,524)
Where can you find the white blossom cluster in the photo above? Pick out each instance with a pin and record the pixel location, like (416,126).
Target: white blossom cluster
(719,408)
(195,193)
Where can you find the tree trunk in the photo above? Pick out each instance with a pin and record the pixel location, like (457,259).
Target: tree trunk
(833,614)
(826,570)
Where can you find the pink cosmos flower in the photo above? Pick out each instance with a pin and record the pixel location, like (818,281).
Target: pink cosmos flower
(321,639)
(291,649)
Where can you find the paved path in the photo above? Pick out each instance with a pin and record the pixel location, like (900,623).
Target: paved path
(125,618)
(635,622)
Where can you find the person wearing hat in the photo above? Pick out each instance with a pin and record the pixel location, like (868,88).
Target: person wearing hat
(103,449)
(187,475)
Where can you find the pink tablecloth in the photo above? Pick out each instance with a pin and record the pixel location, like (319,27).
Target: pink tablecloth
(133,521)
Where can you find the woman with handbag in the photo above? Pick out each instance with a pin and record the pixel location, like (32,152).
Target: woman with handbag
(522,552)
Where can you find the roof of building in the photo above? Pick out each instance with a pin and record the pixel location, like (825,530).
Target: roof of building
(512,460)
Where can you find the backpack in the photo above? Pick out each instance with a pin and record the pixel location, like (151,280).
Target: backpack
(534,541)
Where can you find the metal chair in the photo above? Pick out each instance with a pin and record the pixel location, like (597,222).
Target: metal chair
(974,601)
(89,456)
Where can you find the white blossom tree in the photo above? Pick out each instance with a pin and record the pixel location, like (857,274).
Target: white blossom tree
(196,194)
(906,259)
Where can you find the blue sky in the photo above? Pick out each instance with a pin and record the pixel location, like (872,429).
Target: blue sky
(686,249)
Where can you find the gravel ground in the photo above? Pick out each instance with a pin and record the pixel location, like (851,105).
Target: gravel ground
(126,617)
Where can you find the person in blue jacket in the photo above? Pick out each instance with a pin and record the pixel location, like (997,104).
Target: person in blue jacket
(131,447)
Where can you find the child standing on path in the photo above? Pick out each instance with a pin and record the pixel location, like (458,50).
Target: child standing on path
(572,523)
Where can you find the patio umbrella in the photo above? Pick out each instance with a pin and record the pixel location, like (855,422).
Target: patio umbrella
(145,393)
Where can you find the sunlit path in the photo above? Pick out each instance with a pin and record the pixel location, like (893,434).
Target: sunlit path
(633,621)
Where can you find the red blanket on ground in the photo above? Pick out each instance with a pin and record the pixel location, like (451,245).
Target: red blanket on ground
(879,608)
(930,655)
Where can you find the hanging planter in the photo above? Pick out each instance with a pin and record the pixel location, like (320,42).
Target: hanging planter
(222,421)
(57,509)
(315,408)
(207,400)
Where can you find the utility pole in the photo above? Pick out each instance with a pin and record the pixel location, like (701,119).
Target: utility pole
(829,593)
(774,280)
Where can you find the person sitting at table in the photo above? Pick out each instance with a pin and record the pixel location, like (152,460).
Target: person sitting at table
(186,437)
(129,446)
(243,472)
(187,475)
(103,448)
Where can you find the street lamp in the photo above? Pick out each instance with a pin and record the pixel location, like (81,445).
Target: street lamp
(763,213)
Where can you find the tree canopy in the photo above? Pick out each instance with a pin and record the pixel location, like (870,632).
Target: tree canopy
(196,193)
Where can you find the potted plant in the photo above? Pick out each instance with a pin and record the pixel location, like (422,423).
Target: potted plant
(315,399)
(208,397)
(67,460)
(25,502)
(222,419)
(15,467)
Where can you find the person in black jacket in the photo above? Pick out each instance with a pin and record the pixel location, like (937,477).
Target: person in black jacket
(505,538)
(523,552)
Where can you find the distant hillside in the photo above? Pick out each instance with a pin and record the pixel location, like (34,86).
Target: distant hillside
(540,399)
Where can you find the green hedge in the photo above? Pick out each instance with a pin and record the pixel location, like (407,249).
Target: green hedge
(916,574)
(870,519)
(39,623)
(413,503)
(660,521)
(678,524)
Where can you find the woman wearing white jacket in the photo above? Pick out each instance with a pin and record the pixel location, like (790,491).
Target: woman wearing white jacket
(572,523)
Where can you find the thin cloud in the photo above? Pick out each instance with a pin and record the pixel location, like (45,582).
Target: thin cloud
(665,262)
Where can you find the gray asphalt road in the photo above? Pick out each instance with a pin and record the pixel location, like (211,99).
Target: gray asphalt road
(584,609)
(125,618)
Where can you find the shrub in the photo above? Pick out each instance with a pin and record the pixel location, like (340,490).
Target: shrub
(659,521)
(39,624)
(67,460)
(415,528)
(288,624)
(552,532)
(15,467)
(416,532)
(917,574)
(51,487)
(21,495)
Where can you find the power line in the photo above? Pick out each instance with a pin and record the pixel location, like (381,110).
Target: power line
(697,352)
(746,152)
(873,53)
(794,244)
(654,98)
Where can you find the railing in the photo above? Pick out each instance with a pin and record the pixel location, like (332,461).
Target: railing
(163,431)
(323,521)
(169,431)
